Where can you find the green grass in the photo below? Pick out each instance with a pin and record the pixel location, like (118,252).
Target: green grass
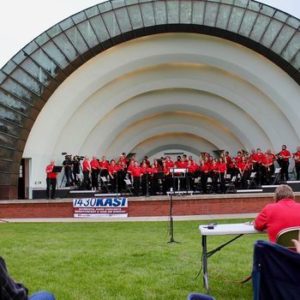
(90,261)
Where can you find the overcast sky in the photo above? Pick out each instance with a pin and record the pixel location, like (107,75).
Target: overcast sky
(21,21)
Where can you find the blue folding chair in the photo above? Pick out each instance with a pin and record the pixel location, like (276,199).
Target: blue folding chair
(276,272)
(197,296)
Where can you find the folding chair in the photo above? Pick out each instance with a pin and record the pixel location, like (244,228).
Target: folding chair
(276,175)
(198,296)
(209,185)
(129,186)
(230,186)
(105,184)
(285,236)
(252,179)
(197,184)
(275,273)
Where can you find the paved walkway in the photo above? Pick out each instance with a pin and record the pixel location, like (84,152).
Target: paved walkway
(132,219)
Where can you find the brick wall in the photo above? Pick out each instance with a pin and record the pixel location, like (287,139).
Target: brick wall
(182,205)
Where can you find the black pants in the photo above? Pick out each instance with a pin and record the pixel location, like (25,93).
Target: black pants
(214,178)
(167,183)
(222,182)
(51,186)
(86,180)
(297,167)
(95,178)
(244,179)
(268,171)
(136,185)
(145,184)
(204,177)
(68,174)
(154,183)
(284,172)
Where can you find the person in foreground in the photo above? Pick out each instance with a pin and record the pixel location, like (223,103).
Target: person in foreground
(11,290)
(284,213)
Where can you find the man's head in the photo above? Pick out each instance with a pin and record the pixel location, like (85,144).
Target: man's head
(283,191)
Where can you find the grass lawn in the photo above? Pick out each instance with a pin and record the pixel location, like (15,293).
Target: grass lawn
(130,260)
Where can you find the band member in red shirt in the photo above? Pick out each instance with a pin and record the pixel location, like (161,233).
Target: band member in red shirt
(157,177)
(222,170)
(283,160)
(145,178)
(228,161)
(95,167)
(167,180)
(192,169)
(51,180)
(136,172)
(244,167)
(238,157)
(233,169)
(103,165)
(214,174)
(268,165)
(256,160)
(205,171)
(86,170)
(158,165)
(296,157)
(152,173)
(122,159)
(130,167)
(113,169)
(169,162)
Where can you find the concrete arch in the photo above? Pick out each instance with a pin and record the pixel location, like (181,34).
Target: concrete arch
(43,67)
(208,106)
(202,128)
(188,144)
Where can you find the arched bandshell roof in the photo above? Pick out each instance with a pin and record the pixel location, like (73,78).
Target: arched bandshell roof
(31,77)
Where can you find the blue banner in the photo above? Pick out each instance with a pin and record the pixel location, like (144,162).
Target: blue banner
(100,207)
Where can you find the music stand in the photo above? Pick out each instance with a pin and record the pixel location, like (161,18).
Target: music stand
(171,227)
(178,173)
(57,169)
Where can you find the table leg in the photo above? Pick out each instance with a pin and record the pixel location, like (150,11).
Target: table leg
(204,262)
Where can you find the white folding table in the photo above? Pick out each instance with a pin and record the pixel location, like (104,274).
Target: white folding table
(220,229)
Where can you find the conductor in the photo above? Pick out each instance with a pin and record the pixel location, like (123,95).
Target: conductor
(51,180)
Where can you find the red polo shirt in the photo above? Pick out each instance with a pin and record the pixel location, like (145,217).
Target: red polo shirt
(285,154)
(113,169)
(103,164)
(95,164)
(243,166)
(50,174)
(222,167)
(86,166)
(193,168)
(206,167)
(277,216)
(136,171)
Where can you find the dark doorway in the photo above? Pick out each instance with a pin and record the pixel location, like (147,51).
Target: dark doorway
(23,181)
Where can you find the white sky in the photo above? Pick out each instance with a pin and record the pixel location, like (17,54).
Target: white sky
(21,21)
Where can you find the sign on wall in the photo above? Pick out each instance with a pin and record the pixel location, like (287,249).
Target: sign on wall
(100,207)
